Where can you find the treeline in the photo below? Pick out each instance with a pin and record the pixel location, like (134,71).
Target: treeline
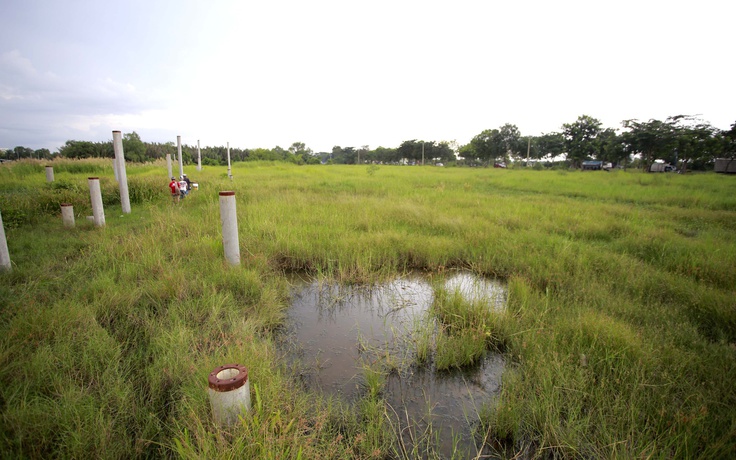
(683,141)
(409,152)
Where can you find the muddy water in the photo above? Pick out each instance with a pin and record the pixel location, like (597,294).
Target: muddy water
(334,331)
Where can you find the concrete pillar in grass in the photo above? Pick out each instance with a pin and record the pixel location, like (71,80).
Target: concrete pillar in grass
(178,152)
(117,145)
(229,219)
(49,173)
(229,393)
(67,215)
(199,157)
(95,194)
(4,254)
(168,166)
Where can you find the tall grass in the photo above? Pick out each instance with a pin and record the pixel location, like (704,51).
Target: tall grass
(619,331)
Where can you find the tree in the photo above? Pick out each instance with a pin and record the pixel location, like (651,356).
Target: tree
(42,153)
(510,141)
(488,146)
(301,153)
(729,141)
(134,148)
(698,144)
(581,138)
(652,139)
(363,154)
(86,149)
(548,146)
(386,155)
(410,150)
(342,155)
(21,152)
(611,147)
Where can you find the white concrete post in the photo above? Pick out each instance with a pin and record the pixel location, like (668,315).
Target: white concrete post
(229,219)
(115,169)
(49,173)
(178,152)
(229,392)
(117,145)
(67,215)
(4,254)
(229,171)
(98,212)
(199,157)
(168,165)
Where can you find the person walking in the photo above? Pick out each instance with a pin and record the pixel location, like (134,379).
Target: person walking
(183,187)
(174,187)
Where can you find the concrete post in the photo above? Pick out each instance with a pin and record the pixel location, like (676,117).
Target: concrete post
(117,145)
(229,170)
(229,219)
(168,165)
(229,393)
(49,173)
(4,254)
(115,169)
(199,157)
(98,212)
(178,152)
(67,215)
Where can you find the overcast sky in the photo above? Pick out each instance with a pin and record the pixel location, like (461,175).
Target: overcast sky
(269,72)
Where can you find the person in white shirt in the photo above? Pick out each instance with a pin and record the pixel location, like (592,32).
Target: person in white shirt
(183,187)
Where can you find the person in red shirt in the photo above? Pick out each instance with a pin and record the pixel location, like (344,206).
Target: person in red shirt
(174,187)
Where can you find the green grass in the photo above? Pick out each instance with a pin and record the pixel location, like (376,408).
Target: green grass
(619,334)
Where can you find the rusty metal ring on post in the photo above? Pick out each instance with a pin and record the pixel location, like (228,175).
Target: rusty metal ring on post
(228,384)
(227,193)
(65,204)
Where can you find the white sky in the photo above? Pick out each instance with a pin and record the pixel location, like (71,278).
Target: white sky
(273,72)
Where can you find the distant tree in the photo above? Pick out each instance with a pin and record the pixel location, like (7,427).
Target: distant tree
(86,149)
(652,139)
(362,154)
(343,155)
(699,144)
(581,139)
(134,148)
(155,151)
(21,152)
(611,147)
(301,152)
(511,143)
(487,146)
(442,151)
(467,152)
(410,150)
(42,154)
(548,146)
(386,155)
(729,141)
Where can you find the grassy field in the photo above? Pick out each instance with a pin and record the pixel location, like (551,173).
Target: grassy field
(620,332)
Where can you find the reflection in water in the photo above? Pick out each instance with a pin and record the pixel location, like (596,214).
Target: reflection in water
(335,330)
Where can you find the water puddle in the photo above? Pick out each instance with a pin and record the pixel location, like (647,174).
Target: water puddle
(333,333)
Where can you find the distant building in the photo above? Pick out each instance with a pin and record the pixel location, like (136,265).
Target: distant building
(661,167)
(592,165)
(725,165)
